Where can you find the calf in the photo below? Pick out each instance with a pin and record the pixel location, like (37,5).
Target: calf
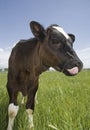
(51,47)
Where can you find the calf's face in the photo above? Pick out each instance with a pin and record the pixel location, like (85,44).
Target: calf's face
(56,48)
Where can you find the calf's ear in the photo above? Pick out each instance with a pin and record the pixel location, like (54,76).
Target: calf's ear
(37,30)
(72,37)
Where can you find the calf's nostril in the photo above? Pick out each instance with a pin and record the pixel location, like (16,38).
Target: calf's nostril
(76,64)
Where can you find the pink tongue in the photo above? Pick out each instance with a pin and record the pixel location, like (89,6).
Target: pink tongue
(73,71)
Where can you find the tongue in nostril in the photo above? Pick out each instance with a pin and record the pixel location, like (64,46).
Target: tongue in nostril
(73,71)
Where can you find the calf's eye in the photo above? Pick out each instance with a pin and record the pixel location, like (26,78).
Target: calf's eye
(55,41)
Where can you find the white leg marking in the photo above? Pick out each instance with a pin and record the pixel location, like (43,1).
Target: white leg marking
(23,101)
(12,112)
(36,100)
(30,117)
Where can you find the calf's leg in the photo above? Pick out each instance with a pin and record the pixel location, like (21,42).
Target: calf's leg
(30,105)
(12,112)
(12,108)
(30,117)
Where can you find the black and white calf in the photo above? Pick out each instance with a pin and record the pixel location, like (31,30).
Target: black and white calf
(51,47)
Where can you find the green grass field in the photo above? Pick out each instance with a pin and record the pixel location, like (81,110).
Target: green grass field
(63,103)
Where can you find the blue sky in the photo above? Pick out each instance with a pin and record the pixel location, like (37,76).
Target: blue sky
(72,15)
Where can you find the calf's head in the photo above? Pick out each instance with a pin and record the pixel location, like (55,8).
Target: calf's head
(56,48)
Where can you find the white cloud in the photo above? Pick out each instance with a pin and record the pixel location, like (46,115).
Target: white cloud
(1,50)
(4,56)
(84,55)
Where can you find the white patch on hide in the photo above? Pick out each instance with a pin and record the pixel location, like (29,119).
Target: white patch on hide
(23,101)
(12,112)
(30,117)
(61,31)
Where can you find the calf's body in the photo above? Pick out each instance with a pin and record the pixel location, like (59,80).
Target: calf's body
(50,47)
(25,67)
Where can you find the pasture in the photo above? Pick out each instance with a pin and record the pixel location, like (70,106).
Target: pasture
(63,103)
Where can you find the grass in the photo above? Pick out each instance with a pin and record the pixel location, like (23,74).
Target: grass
(63,103)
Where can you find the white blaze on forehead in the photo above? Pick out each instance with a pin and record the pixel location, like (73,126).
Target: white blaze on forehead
(61,31)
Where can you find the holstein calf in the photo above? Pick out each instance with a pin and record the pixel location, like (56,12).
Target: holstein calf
(51,47)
